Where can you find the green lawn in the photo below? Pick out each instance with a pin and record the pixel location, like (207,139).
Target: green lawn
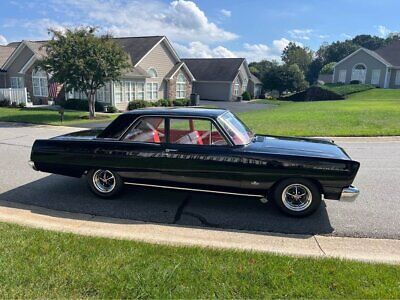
(374,112)
(43,116)
(42,264)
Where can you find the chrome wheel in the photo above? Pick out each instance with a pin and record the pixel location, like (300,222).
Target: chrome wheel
(104,181)
(296,197)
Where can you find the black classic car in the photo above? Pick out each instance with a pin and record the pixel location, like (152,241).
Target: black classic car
(201,149)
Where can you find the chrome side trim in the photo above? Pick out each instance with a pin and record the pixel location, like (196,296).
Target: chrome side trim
(193,190)
(349,194)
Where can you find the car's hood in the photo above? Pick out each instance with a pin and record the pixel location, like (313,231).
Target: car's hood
(308,147)
(80,135)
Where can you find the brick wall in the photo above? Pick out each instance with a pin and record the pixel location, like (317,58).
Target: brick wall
(171,86)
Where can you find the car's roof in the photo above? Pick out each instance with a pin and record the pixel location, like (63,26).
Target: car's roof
(180,111)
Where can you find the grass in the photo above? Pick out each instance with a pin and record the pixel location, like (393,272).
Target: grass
(42,264)
(374,112)
(347,89)
(44,116)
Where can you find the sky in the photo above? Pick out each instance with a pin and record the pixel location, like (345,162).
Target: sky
(254,29)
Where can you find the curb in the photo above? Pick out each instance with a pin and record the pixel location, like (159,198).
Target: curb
(360,249)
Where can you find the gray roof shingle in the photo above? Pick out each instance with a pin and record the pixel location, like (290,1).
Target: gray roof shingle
(391,53)
(5,52)
(214,69)
(137,47)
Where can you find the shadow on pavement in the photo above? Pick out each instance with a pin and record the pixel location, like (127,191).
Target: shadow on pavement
(163,206)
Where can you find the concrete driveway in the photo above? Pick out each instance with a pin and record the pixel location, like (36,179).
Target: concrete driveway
(374,214)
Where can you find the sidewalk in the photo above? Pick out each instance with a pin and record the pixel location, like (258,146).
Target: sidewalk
(371,250)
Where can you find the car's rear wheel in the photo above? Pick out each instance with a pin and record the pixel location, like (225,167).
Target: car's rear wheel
(297,197)
(104,183)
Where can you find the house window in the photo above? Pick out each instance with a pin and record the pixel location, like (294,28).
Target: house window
(244,86)
(397,81)
(375,77)
(152,73)
(180,86)
(16,82)
(103,94)
(236,87)
(117,92)
(39,82)
(342,76)
(152,91)
(139,91)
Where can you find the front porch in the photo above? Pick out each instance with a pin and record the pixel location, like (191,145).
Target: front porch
(16,96)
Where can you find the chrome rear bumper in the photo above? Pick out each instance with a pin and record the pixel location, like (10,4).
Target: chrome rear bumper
(349,194)
(32,164)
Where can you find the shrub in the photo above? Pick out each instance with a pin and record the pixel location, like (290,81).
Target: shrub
(164,103)
(135,104)
(355,82)
(181,102)
(21,105)
(14,104)
(5,103)
(83,105)
(314,93)
(246,96)
(111,109)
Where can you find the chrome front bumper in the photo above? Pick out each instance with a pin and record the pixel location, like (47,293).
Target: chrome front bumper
(349,194)
(32,164)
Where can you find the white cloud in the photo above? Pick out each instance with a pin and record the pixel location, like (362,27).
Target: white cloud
(346,36)
(301,34)
(252,52)
(3,40)
(180,20)
(383,31)
(198,49)
(226,13)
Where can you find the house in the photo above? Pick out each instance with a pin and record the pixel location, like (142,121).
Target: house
(380,67)
(157,72)
(5,52)
(223,79)
(254,87)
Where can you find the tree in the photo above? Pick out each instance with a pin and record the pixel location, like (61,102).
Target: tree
(368,41)
(314,69)
(328,68)
(336,51)
(284,78)
(301,56)
(81,60)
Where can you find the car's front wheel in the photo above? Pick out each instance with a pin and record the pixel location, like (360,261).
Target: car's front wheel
(297,197)
(104,183)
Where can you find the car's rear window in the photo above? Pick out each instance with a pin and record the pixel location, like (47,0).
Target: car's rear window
(117,127)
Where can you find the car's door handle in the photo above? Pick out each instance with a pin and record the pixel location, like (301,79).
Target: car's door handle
(171,150)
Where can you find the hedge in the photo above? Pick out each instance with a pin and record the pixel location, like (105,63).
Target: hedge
(83,105)
(136,104)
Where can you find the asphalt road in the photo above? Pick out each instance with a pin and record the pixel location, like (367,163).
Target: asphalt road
(375,213)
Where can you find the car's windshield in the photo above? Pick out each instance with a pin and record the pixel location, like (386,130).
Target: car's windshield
(236,129)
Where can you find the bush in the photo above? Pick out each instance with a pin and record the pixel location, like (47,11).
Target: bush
(246,96)
(355,82)
(314,93)
(21,105)
(83,105)
(14,104)
(111,109)
(135,104)
(5,103)
(164,103)
(181,102)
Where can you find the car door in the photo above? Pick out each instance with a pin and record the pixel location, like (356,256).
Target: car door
(141,148)
(198,154)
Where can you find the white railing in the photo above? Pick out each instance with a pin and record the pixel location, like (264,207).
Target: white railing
(14,95)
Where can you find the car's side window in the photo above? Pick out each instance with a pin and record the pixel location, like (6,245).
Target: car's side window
(192,131)
(148,129)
